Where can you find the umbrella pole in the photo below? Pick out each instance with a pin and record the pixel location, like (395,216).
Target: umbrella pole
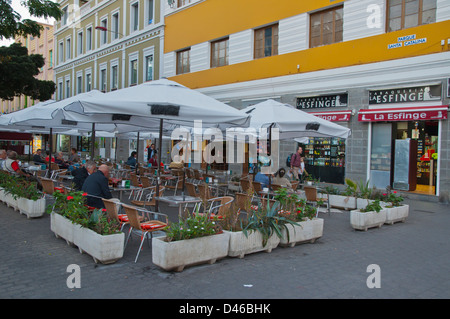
(50,153)
(137,155)
(92,141)
(115,153)
(159,163)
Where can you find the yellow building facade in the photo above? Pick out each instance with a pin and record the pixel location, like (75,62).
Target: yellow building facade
(346,61)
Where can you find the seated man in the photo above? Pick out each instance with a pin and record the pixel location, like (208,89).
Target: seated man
(80,174)
(12,165)
(263,179)
(96,186)
(37,157)
(131,161)
(60,161)
(280,179)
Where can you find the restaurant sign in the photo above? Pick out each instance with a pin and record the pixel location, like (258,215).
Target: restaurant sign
(404,114)
(334,116)
(406,95)
(322,101)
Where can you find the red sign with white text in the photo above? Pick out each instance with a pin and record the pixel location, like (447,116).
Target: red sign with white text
(334,116)
(424,113)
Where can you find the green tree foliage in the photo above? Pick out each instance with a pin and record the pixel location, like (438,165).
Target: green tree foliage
(11,24)
(18,71)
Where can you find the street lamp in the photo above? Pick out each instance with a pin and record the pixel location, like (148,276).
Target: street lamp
(105,29)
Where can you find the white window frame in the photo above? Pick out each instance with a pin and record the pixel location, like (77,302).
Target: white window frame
(68,52)
(80,42)
(113,63)
(67,87)
(104,34)
(90,32)
(79,85)
(88,72)
(146,15)
(133,57)
(65,16)
(115,24)
(146,53)
(61,52)
(133,15)
(103,67)
(60,89)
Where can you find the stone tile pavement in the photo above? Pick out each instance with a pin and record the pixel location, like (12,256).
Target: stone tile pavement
(414,261)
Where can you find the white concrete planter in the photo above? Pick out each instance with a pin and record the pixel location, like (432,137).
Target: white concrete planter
(364,220)
(105,249)
(2,194)
(308,231)
(396,214)
(240,245)
(9,200)
(63,227)
(175,255)
(31,208)
(344,202)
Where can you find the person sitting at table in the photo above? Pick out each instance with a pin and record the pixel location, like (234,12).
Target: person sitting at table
(153,161)
(131,161)
(263,179)
(12,165)
(73,157)
(96,186)
(2,158)
(60,161)
(48,154)
(281,180)
(80,174)
(37,157)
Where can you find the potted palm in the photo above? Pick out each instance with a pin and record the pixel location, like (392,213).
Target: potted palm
(373,215)
(395,210)
(263,231)
(194,240)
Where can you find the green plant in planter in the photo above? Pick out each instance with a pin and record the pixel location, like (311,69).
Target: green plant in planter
(19,186)
(192,227)
(267,221)
(364,190)
(73,206)
(351,188)
(393,198)
(373,206)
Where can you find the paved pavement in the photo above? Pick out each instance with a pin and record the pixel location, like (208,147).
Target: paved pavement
(414,261)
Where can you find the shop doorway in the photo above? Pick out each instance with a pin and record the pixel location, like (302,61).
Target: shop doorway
(426,134)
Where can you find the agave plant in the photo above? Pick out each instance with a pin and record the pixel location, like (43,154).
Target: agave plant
(267,221)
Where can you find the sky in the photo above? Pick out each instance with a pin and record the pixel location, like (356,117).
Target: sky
(23,11)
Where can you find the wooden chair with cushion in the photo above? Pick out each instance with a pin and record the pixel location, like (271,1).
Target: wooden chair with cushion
(156,221)
(112,208)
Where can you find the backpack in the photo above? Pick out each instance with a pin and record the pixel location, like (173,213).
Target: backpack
(288,160)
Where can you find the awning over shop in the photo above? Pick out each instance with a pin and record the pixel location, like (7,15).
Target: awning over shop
(334,116)
(420,113)
(15,136)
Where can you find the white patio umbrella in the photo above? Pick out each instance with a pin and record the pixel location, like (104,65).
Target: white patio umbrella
(291,122)
(160,101)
